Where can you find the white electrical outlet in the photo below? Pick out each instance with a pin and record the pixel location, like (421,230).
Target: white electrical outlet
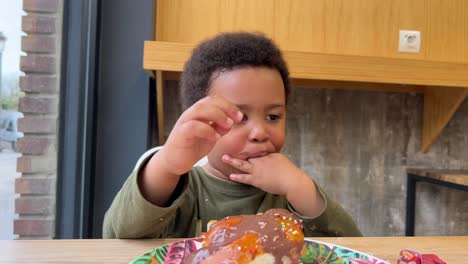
(410,41)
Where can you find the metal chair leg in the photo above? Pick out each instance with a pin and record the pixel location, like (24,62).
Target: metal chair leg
(410,205)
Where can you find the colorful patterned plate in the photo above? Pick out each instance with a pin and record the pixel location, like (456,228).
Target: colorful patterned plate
(316,252)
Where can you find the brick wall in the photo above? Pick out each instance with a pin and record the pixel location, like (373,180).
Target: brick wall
(35,204)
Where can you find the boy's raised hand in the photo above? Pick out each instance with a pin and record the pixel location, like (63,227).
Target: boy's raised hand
(196,132)
(193,136)
(276,174)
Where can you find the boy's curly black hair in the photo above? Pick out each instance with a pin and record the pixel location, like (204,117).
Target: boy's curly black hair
(228,51)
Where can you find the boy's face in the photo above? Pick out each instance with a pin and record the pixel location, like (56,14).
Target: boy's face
(259,94)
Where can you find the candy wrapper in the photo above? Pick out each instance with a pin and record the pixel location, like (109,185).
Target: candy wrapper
(412,257)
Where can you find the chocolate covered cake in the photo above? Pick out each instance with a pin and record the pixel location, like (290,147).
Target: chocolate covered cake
(273,237)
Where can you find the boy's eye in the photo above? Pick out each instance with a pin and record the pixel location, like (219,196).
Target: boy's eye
(273,117)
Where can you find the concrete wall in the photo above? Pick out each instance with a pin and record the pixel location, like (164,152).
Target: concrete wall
(358,144)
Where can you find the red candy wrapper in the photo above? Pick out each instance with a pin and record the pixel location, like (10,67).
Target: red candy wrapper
(412,257)
(431,259)
(409,257)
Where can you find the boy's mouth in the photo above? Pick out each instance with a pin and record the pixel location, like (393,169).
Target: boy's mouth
(257,155)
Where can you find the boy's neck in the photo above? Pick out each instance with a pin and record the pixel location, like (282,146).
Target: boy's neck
(214,172)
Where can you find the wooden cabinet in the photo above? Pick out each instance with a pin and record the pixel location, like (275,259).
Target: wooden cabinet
(334,44)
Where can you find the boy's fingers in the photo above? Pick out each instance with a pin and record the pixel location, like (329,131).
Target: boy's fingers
(239,164)
(210,113)
(220,130)
(201,130)
(214,116)
(231,110)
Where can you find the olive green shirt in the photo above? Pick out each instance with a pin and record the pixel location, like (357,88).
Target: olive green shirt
(200,196)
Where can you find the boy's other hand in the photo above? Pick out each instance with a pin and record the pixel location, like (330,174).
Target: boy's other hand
(273,173)
(196,132)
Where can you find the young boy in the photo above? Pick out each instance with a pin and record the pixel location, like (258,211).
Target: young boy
(234,90)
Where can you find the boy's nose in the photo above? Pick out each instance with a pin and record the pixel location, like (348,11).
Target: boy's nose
(258,133)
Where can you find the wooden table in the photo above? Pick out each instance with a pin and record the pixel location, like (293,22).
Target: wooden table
(450,249)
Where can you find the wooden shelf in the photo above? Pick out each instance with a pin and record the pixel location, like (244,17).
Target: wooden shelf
(329,84)
(439,107)
(169,56)
(444,84)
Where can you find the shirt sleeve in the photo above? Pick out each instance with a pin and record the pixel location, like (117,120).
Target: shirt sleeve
(132,216)
(334,221)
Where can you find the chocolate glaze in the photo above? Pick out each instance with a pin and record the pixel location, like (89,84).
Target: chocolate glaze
(277,232)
